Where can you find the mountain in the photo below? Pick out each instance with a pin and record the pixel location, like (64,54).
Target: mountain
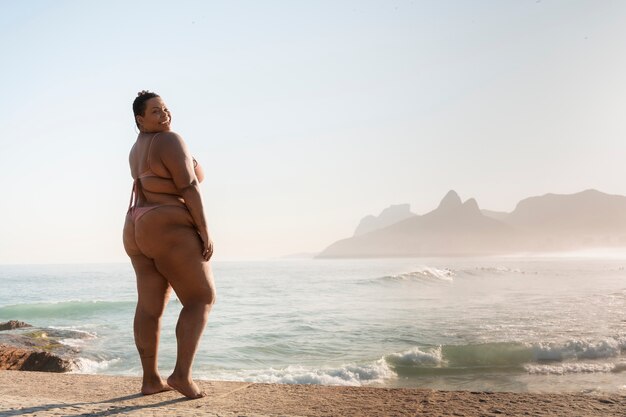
(572,221)
(589,211)
(390,215)
(453,228)
(550,222)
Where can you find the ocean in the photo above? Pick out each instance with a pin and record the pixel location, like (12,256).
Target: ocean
(542,324)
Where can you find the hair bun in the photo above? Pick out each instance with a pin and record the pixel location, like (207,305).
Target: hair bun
(143,93)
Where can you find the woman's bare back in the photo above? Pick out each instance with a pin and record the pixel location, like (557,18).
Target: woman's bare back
(170,221)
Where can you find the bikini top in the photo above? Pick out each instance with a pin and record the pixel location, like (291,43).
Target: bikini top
(146,173)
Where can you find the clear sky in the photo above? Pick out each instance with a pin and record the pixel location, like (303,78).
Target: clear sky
(306,115)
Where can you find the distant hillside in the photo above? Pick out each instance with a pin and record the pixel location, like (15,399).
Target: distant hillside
(390,215)
(455,228)
(589,211)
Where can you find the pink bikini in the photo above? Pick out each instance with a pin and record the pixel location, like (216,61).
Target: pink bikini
(137,212)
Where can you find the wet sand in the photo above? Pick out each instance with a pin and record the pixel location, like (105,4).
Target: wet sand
(47,394)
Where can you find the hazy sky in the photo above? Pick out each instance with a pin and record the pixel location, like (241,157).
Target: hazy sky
(307,116)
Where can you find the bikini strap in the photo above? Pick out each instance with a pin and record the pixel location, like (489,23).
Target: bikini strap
(150,148)
(135,191)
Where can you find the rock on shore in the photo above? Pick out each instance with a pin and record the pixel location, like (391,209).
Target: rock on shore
(21,359)
(33,350)
(13,324)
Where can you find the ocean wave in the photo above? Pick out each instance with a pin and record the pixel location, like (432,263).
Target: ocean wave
(416,357)
(75,331)
(75,343)
(424,275)
(499,269)
(90,366)
(444,360)
(508,356)
(347,375)
(62,309)
(619,294)
(573,368)
(459,359)
(579,349)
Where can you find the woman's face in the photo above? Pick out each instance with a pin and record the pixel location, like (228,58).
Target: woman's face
(156,118)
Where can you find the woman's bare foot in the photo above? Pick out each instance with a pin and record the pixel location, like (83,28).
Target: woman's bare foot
(186,387)
(154,386)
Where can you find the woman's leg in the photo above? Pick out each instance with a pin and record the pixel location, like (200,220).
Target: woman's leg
(192,281)
(167,235)
(153,293)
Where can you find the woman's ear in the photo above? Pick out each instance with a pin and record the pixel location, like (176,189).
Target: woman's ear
(139,120)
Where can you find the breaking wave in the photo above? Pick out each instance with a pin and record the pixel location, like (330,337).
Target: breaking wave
(579,349)
(416,357)
(348,375)
(424,275)
(449,360)
(63,309)
(573,356)
(90,366)
(575,368)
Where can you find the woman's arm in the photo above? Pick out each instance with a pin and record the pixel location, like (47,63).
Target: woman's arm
(176,158)
(198,170)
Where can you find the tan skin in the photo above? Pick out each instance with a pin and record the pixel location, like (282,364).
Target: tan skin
(169,248)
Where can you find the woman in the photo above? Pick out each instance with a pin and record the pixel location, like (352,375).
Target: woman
(167,240)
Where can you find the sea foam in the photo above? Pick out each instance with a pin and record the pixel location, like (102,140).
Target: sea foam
(347,375)
(416,357)
(423,275)
(579,349)
(497,270)
(90,366)
(571,368)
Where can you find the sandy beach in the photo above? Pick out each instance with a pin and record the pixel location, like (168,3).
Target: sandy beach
(46,394)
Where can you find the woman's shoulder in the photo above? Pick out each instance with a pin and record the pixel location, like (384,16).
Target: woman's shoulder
(168,137)
(169,134)
(170,140)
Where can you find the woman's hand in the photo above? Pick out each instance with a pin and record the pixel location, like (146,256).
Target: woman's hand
(207,243)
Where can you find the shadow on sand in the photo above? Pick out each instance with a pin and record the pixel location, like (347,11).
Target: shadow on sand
(96,408)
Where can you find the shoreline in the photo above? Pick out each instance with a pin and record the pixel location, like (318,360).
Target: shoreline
(24,347)
(82,394)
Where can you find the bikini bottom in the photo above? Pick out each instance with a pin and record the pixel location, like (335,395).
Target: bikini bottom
(137,212)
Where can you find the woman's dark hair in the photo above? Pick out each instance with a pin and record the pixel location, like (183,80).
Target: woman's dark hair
(139,105)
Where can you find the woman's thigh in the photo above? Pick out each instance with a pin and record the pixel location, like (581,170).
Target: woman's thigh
(167,235)
(152,288)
